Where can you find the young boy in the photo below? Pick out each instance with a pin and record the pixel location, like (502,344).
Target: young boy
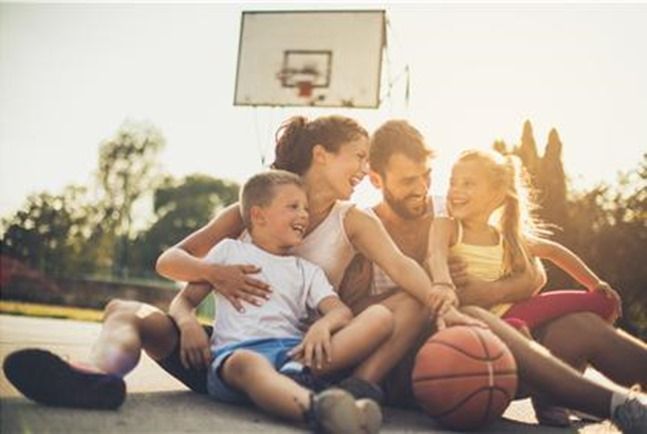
(255,350)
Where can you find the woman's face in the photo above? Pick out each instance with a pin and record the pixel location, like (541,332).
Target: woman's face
(345,168)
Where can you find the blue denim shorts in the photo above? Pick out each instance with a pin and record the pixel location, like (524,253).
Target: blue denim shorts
(273,349)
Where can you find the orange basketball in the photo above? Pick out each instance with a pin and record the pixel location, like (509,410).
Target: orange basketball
(464,377)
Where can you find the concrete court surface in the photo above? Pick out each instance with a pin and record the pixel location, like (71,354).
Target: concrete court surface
(158,403)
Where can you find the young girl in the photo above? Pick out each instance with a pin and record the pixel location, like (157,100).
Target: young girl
(492,231)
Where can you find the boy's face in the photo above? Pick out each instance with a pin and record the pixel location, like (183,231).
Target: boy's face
(405,185)
(285,219)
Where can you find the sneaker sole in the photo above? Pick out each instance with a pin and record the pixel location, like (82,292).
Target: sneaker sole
(47,379)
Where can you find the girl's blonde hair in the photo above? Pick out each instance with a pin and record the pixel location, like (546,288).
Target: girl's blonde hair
(514,217)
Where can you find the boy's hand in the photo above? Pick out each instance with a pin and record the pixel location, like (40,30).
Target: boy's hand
(194,346)
(234,283)
(453,317)
(611,293)
(315,350)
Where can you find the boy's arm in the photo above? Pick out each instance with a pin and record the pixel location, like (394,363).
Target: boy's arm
(315,350)
(194,342)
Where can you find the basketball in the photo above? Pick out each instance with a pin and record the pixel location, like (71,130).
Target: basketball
(464,377)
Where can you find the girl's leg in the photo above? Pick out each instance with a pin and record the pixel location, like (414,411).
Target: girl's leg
(583,338)
(547,375)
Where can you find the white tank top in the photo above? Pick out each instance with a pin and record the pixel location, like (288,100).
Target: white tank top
(327,245)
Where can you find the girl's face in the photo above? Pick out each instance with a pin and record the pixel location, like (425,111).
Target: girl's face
(345,168)
(471,194)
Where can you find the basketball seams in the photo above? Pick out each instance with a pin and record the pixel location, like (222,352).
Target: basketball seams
(462,351)
(468,397)
(462,374)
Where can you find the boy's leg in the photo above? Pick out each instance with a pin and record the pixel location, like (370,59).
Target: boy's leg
(358,339)
(332,411)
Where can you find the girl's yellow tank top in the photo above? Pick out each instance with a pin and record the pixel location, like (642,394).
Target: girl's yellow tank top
(484,262)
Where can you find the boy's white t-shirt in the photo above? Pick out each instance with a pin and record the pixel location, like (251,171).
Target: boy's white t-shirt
(298,287)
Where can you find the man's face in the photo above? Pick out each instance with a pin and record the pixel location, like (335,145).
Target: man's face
(405,185)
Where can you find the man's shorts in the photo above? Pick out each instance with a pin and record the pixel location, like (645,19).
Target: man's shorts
(194,379)
(275,350)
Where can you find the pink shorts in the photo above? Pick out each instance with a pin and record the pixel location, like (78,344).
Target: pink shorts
(545,307)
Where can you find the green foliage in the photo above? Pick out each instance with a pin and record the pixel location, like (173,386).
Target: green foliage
(50,232)
(181,207)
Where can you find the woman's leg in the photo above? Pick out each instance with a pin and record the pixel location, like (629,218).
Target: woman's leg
(583,338)
(547,375)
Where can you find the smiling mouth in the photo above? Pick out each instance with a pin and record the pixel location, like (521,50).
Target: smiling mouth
(299,228)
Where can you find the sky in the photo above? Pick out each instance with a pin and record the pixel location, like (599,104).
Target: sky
(70,74)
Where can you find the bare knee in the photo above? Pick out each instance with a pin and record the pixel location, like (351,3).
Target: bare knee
(241,367)
(380,318)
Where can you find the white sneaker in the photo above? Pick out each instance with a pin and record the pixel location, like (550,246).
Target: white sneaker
(337,412)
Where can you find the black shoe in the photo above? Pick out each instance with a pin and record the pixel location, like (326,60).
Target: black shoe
(362,389)
(47,379)
(306,379)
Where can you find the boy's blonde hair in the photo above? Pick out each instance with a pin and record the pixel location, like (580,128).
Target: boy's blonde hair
(259,190)
(514,217)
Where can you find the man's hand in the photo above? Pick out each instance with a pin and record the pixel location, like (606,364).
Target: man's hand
(315,350)
(441,298)
(234,283)
(194,346)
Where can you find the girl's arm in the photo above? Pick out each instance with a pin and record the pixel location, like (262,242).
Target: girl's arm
(368,236)
(184,262)
(566,260)
(194,342)
(440,235)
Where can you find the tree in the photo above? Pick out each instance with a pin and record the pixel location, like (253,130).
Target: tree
(181,207)
(50,232)
(127,169)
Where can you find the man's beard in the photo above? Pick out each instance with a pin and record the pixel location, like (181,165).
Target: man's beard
(400,206)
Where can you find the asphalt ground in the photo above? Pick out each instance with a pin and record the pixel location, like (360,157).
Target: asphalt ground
(158,403)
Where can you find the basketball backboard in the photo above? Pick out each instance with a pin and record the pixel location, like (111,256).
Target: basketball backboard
(310,58)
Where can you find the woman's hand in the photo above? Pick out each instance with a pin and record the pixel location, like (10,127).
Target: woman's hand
(235,284)
(441,298)
(194,346)
(315,350)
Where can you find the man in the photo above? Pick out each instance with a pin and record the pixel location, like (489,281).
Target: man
(400,168)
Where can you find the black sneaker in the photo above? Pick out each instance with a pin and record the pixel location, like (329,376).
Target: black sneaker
(362,389)
(47,379)
(306,379)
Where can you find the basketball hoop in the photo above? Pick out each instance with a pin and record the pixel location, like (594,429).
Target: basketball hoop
(305,89)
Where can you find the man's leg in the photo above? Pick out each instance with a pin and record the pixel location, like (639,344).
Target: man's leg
(583,338)
(128,328)
(547,375)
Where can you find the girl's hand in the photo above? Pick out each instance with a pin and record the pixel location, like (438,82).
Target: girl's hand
(315,350)
(611,293)
(194,346)
(234,283)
